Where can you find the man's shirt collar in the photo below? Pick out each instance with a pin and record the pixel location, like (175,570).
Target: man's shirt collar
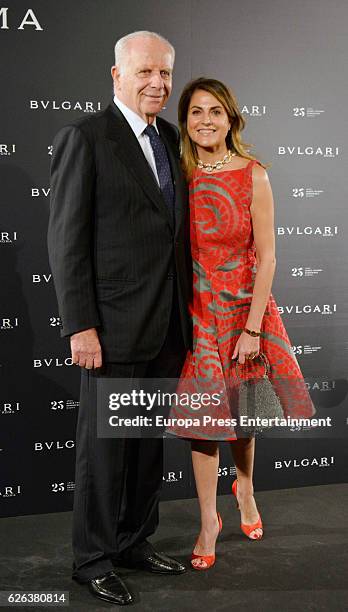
(136,122)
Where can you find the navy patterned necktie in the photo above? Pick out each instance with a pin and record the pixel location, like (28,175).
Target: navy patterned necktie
(162,166)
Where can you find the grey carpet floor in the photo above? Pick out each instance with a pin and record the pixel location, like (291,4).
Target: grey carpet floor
(301,564)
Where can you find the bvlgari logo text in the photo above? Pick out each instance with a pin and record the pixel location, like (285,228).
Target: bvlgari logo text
(309,150)
(54,445)
(8,322)
(29,20)
(36,192)
(10,491)
(8,237)
(323,309)
(173,476)
(41,278)
(52,362)
(10,408)
(305,462)
(65,105)
(7,149)
(309,230)
(321,385)
(254,110)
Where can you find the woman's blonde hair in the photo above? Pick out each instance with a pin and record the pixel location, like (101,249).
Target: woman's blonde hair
(228,100)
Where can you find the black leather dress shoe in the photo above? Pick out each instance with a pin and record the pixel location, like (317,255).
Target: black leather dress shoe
(110,587)
(158,563)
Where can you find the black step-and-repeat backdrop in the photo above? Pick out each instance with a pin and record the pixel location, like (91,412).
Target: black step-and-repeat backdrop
(287,63)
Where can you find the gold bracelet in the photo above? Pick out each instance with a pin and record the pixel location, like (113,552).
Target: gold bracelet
(252,333)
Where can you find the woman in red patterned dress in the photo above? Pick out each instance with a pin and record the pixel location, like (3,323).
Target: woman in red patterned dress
(234,313)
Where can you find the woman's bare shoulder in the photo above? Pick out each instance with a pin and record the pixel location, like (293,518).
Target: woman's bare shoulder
(260,174)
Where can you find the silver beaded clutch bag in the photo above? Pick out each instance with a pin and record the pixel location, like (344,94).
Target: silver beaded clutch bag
(257,397)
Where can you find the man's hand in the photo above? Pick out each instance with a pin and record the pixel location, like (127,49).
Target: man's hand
(86,349)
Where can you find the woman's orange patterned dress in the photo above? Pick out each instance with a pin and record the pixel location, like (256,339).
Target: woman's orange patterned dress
(224,267)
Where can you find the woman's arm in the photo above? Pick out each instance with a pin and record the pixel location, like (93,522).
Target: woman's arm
(262,214)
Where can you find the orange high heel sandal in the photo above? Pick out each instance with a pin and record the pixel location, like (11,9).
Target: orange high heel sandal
(247,529)
(209,560)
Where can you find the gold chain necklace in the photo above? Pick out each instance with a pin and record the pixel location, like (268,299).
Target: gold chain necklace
(209,167)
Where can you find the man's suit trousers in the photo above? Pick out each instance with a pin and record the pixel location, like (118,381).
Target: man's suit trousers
(118,480)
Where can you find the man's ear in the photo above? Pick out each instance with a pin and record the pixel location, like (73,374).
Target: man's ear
(115,73)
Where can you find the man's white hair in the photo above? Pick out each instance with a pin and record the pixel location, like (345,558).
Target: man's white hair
(122,43)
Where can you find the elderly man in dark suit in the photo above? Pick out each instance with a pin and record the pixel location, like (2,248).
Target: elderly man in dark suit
(119,253)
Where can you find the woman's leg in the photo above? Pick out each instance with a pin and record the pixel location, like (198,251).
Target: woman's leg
(243,451)
(205,460)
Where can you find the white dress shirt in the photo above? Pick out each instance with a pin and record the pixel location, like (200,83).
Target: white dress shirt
(138,126)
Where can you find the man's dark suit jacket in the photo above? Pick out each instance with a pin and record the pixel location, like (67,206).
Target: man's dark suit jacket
(111,238)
